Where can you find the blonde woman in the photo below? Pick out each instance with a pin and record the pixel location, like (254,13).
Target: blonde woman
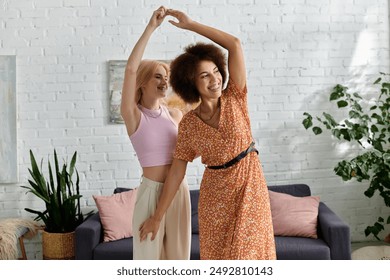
(153,128)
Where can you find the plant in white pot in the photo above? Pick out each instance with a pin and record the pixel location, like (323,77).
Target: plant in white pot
(62,213)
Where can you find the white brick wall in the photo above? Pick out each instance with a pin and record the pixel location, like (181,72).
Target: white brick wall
(295,51)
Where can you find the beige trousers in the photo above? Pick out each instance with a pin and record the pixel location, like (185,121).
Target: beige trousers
(173,239)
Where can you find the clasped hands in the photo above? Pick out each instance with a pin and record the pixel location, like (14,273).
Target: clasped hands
(158,16)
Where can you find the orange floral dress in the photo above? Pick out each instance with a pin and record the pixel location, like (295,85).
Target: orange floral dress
(235,219)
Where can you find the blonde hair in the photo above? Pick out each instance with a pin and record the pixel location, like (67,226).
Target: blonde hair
(145,72)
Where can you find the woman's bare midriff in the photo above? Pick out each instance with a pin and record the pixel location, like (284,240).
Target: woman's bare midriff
(156,173)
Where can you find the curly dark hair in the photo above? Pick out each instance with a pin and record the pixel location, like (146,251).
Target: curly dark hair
(183,69)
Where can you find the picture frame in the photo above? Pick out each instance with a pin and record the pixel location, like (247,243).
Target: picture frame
(8,113)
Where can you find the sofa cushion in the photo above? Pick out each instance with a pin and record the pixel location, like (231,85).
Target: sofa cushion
(116,250)
(116,214)
(301,248)
(294,216)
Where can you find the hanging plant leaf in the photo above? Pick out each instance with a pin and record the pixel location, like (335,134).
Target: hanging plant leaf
(378,81)
(317,130)
(308,121)
(334,96)
(342,103)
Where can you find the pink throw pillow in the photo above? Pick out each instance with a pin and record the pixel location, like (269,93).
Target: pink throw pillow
(294,216)
(116,214)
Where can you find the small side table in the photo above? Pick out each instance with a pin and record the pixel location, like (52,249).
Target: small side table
(21,234)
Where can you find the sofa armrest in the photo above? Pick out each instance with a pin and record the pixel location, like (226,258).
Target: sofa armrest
(335,232)
(87,237)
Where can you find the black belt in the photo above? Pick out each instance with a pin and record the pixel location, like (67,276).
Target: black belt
(243,154)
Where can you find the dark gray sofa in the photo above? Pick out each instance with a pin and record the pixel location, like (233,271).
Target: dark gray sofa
(333,241)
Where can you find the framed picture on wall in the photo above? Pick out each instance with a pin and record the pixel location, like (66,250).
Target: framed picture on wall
(8,137)
(116,70)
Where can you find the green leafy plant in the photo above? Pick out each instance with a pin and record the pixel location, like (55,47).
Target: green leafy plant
(369,126)
(60,194)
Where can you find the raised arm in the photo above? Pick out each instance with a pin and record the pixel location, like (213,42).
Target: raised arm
(236,62)
(129,110)
(172,183)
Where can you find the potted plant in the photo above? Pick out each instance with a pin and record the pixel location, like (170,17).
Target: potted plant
(62,213)
(369,126)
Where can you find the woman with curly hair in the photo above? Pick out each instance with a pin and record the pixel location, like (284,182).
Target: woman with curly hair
(153,128)
(235,219)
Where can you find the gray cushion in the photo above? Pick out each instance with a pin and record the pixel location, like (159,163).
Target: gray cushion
(114,250)
(301,248)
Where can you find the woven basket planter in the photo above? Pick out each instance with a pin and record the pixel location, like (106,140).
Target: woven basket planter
(58,246)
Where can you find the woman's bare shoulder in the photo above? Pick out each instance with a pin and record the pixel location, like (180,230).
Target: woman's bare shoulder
(176,114)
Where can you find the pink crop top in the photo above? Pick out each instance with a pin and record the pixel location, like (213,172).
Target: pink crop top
(154,140)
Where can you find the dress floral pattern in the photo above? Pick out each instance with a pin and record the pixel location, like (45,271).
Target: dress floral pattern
(235,219)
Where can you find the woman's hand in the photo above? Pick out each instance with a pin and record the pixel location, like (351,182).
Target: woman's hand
(151,225)
(183,20)
(158,17)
